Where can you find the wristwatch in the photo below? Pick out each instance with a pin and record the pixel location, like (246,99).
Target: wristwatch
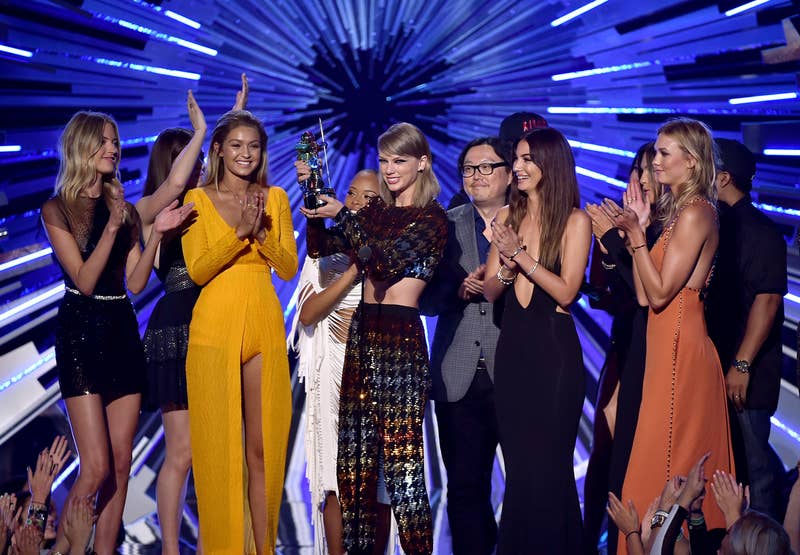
(658,519)
(742,366)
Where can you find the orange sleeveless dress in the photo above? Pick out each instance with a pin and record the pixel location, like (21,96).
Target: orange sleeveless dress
(684,411)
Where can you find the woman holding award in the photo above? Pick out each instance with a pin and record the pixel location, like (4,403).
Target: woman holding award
(385,380)
(236,367)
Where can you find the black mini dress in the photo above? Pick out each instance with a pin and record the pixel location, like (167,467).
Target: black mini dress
(97,343)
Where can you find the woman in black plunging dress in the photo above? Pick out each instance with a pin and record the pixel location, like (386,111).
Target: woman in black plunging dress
(540,248)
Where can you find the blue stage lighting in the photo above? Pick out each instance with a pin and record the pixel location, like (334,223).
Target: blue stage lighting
(599,71)
(185,20)
(745,7)
(763,98)
(575,13)
(16,51)
(10,148)
(781,152)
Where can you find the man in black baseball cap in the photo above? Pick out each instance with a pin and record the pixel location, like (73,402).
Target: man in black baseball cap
(744,311)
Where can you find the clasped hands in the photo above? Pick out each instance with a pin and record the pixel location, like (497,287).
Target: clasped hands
(252,222)
(507,242)
(632,218)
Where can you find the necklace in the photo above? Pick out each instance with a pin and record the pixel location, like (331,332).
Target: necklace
(238,199)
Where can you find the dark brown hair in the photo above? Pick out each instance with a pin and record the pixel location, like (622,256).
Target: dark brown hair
(558,191)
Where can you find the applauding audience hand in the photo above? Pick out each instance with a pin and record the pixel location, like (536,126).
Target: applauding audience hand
(729,496)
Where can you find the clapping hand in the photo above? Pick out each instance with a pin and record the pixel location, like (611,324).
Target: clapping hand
(624,516)
(671,492)
(601,221)
(119,209)
(638,201)
(473,283)
(249,221)
(506,240)
(27,540)
(78,521)
(172,216)
(729,496)
(242,94)
(196,116)
(48,465)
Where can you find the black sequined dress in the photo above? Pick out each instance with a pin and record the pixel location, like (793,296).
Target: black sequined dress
(386,377)
(97,344)
(167,336)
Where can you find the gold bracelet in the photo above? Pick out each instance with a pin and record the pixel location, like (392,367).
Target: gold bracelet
(638,247)
(502,279)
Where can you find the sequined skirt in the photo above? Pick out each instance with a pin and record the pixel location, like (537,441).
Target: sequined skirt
(385,386)
(98,349)
(166,341)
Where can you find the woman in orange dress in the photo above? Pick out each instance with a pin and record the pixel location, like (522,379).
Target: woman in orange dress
(684,412)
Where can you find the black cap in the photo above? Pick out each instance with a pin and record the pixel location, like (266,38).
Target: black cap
(737,160)
(519,123)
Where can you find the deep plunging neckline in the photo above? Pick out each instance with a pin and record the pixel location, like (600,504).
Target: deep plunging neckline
(219,215)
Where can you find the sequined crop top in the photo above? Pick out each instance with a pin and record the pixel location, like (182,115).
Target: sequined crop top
(405,241)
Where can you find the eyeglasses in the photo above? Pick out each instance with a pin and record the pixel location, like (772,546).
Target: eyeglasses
(483,169)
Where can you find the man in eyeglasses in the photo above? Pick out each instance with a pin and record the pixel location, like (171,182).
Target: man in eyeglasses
(462,356)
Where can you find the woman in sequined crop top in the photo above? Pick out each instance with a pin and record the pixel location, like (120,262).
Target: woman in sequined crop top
(94,233)
(385,381)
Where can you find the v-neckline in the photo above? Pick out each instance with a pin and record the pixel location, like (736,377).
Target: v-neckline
(217,212)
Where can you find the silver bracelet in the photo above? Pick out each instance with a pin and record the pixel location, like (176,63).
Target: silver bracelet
(529,273)
(502,279)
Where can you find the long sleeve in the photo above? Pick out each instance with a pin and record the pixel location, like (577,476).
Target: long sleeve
(322,241)
(410,242)
(441,293)
(280,247)
(205,260)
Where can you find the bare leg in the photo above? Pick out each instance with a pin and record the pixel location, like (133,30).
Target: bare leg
(122,415)
(254,449)
(383,525)
(171,485)
(90,432)
(332,517)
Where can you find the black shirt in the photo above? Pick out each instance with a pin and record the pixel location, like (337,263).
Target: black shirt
(751,260)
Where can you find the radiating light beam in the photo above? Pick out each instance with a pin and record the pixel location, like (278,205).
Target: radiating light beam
(745,7)
(13,311)
(763,98)
(600,177)
(781,152)
(10,148)
(603,149)
(183,19)
(598,71)
(16,51)
(575,13)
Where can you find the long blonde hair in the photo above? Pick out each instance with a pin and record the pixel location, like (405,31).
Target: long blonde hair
(557,190)
(695,140)
(227,123)
(81,139)
(405,139)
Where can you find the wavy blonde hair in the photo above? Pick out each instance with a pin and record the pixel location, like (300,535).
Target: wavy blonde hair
(695,140)
(405,139)
(228,122)
(81,139)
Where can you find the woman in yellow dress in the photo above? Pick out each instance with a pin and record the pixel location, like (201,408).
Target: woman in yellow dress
(236,367)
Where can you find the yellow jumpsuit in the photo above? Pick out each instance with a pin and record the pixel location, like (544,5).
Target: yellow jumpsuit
(236,317)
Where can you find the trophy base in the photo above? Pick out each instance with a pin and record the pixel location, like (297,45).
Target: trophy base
(311,199)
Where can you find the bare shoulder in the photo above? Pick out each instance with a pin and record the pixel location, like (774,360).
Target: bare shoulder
(697,214)
(579,221)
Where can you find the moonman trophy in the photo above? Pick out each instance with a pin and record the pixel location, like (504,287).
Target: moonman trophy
(308,151)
